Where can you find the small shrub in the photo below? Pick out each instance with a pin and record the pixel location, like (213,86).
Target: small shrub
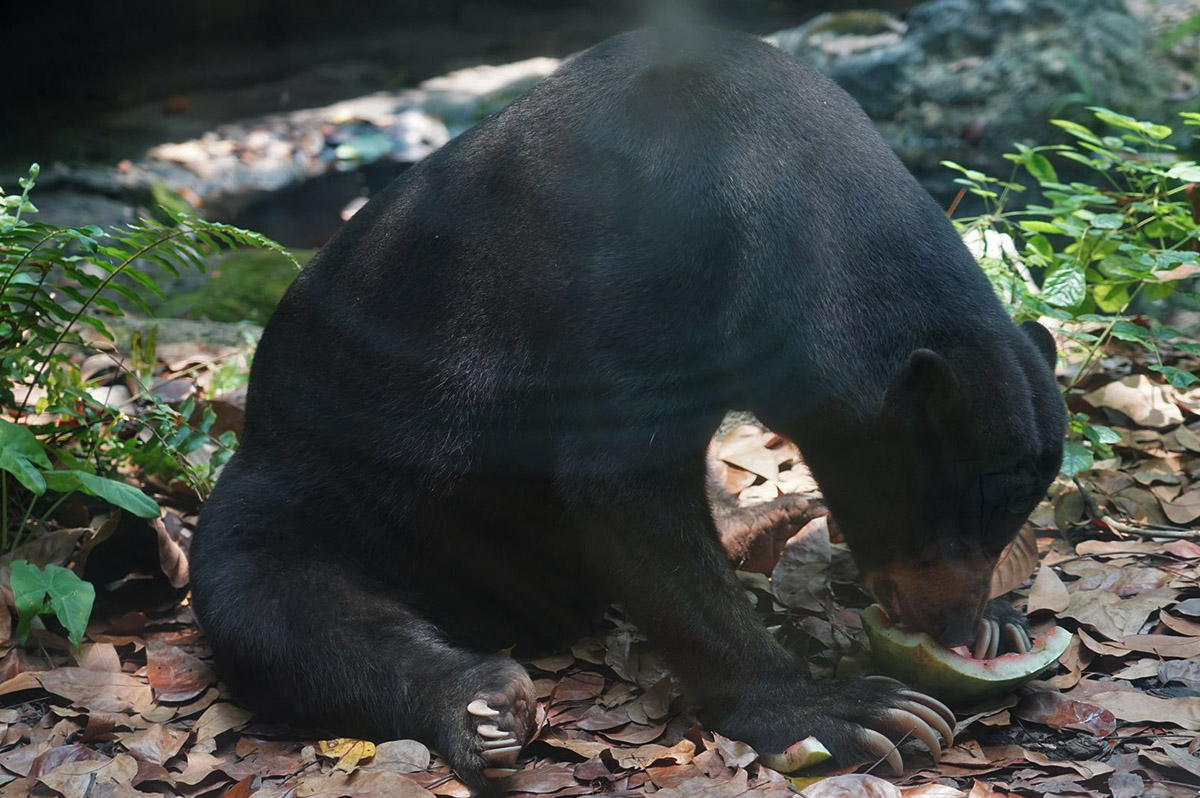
(1093,247)
(57,440)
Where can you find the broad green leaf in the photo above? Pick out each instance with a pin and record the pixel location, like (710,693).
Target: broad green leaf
(23,456)
(1077,130)
(1187,171)
(116,493)
(57,590)
(1157,132)
(1112,298)
(1040,167)
(1076,458)
(1127,331)
(1107,221)
(1035,226)
(1100,434)
(1177,376)
(1064,287)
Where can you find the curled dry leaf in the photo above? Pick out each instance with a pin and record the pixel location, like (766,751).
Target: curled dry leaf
(174,674)
(171,559)
(1016,562)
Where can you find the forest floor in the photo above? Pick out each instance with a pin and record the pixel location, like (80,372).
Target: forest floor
(138,709)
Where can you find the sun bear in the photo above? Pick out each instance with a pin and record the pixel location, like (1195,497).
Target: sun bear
(480,414)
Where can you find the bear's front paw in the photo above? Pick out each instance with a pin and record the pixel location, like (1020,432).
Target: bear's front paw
(862,720)
(1002,630)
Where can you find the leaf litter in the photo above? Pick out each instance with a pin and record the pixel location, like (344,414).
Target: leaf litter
(1111,555)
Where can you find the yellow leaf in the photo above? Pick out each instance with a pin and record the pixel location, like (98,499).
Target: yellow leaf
(347,751)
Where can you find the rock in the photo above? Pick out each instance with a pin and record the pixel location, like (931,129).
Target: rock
(463,97)
(962,80)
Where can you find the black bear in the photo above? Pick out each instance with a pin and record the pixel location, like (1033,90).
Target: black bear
(481,413)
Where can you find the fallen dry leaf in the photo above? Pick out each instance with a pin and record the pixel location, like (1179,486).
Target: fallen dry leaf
(1016,563)
(1060,712)
(1146,403)
(174,674)
(1048,592)
(347,752)
(853,785)
(220,718)
(81,779)
(155,744)
(1182,711)
(99,691)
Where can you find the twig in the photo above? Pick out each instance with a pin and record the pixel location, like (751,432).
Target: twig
(1151,531)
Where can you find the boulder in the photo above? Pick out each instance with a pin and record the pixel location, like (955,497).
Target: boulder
(964,79)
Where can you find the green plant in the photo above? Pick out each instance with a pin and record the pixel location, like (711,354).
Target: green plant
(1093,247)
(60,439)
(55,590)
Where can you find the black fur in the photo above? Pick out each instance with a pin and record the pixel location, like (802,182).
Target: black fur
(481,413)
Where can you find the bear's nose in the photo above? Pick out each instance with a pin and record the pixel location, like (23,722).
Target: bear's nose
(958,629)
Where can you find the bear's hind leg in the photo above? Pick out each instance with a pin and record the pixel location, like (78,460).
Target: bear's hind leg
(312,637)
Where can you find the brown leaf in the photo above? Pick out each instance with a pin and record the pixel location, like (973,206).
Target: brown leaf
(745,448)
(220,718)
(98,690)
(585,749)
(802,576)
(1165,646)
(174,674)
(1016,562)
(1182,711)
(360,784)
(853,785)
(578,687)
(1185,509)
(1146,403)
(155,744)
(86,778)
(99,657)
(1048,592)
(1059,712)
(171,558)
(735,753)
(59,755)
(599,719)
(643,756)
(553,664)
(1179,757)
(636,734)
(402,756)
(1113,616)
(346,752)
(541,781)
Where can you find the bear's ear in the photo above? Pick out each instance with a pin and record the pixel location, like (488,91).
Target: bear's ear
(925,390)
(1043,340)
